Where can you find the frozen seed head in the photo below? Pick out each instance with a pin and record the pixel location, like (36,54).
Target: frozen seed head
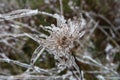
(61,38)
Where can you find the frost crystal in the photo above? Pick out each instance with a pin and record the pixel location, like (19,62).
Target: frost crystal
(62,37)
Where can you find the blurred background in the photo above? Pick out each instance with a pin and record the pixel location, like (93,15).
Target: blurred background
(103,45)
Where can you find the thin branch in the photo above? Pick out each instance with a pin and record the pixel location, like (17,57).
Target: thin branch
(61,7)
(36,54)
(23,13)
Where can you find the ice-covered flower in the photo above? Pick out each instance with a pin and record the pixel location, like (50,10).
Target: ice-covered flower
(62,37)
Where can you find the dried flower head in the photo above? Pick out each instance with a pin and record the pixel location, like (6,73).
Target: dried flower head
(62,37)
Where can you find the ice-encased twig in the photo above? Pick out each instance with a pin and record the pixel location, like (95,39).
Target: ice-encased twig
(24,13)
(36,54)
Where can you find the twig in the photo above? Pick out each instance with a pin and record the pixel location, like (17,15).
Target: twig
(61,7)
